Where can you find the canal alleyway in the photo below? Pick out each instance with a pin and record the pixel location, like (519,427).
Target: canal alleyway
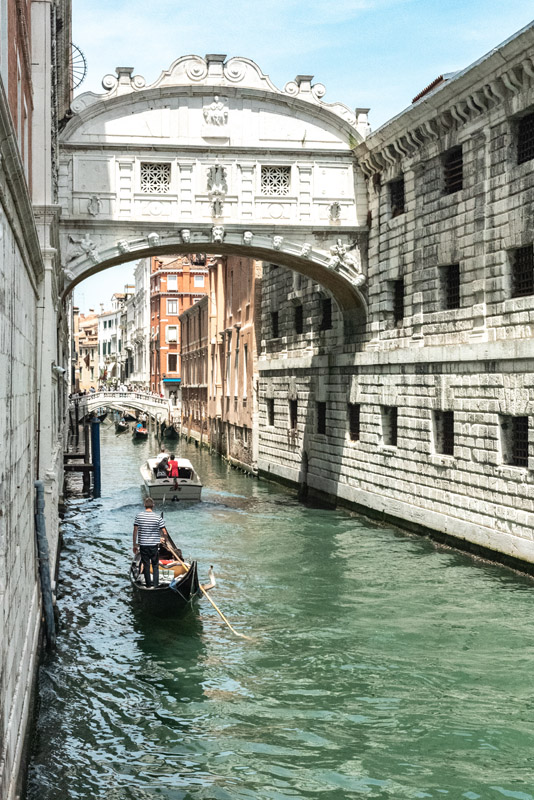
(380,666)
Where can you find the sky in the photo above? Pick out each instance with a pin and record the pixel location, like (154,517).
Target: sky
(375,54)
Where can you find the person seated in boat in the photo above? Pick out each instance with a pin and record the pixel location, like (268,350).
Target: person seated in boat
(172,468)
(161,464)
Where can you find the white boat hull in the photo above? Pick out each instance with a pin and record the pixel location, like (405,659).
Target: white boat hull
(170,489)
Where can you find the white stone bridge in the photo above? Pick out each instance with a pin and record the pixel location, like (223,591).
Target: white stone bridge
(156,407)
(213,158)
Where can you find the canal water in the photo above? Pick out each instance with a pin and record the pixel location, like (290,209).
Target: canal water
(380,666)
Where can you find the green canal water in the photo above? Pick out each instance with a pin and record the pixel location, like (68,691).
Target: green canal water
(380,666)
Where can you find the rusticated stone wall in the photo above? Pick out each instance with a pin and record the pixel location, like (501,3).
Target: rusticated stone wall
(429,362)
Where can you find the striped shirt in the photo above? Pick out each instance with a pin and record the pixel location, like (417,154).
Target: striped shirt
(148,528)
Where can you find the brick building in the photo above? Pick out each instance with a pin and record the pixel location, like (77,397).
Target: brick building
(219,352)
(176,282)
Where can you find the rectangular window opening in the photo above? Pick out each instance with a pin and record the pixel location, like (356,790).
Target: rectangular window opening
(354,421)
(155,178)
(299,319)
(275,181)
(321,417)
(270,411)
(444,432)
(450,286)
(522,263)
(398,300)
(274,325)
(389,425)
(515,440)
(326,314)
(293,415)
(396,197)
(525,139)
(453,170)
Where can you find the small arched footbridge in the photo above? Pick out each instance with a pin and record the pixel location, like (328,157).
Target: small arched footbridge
(156,407)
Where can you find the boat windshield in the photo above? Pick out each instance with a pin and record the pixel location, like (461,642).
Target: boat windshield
(183,472)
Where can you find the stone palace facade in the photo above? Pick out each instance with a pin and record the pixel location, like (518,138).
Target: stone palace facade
(426,416)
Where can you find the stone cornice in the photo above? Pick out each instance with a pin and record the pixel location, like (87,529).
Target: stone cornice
(486,84)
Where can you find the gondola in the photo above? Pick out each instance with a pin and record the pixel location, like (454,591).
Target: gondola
(140,433)
(128,417)
(169,432)
(178,589)
(121,425)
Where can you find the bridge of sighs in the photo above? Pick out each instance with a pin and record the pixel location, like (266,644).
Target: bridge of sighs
(212,157)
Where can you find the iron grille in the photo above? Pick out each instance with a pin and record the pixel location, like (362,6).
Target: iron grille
(450,280)
(523,271)
(326,318)
(396,197)
(299,319)
(398,300)
(354,421)
(293,414)
(519,455)
(525,139)
(321,417)
(453,170)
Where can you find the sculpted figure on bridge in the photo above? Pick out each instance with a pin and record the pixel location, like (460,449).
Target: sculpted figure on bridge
(153,239)
(347,264)
(306,250)
(80,247)
(185,235)
(216,113)
(247,237)
(277,242)
(217,234)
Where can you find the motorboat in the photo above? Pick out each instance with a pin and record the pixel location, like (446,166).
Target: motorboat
(157,484)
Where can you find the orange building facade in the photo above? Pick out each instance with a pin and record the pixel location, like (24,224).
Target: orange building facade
(219,347)
(176,282)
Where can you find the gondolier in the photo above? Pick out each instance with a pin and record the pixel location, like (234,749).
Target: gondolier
(147,531)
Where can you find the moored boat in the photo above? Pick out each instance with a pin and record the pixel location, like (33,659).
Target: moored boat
(121,425)
(186,486)
(140,433)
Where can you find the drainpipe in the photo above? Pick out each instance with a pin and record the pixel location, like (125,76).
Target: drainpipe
(44,565)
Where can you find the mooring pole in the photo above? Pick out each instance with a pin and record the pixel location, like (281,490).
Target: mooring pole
(76,423)
(44,564)
(95,447)
(86,478)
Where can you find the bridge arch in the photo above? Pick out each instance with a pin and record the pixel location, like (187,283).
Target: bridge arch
(213,158)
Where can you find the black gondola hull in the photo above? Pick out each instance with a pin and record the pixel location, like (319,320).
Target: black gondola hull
(167,602)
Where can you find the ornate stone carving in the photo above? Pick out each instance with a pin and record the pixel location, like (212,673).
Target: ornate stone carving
(123,246)
(306,250)
(335,212)
(277,242)
(347,264)
(153,239)
(94,206)
(247,237)
(217,234)
(80,247)
(217,188)
(185,235)
(216,113)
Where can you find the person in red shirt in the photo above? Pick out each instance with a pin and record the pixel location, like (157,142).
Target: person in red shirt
(172,468)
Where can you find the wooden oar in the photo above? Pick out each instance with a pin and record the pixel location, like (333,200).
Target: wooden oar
(217,609)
